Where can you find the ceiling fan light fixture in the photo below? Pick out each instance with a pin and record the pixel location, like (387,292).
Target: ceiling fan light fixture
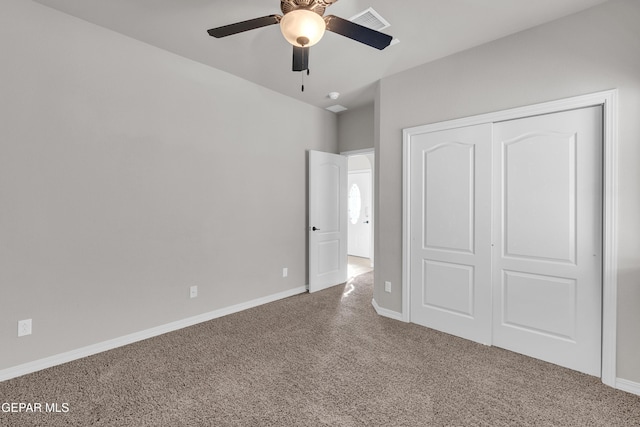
(302,27)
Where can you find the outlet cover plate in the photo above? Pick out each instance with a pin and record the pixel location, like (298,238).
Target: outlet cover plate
(193,291)
(387,287)
(24,327)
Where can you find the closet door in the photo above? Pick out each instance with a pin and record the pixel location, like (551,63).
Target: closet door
(450,217)
(548,237)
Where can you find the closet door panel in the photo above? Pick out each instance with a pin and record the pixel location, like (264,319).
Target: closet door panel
(450,223)
(547,261)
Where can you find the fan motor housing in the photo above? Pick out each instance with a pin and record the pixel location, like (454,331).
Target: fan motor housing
(317,6)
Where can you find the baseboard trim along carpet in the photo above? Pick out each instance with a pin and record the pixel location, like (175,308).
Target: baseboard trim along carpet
(386,312)
(90,350)
(628,386)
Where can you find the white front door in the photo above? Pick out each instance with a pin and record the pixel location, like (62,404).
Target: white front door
(327,220)
(548,237)
(450,210)
(359,213)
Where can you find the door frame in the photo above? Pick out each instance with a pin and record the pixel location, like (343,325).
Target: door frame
(609,102)
(368,152)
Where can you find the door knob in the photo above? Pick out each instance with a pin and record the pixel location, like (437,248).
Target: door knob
(366,222)
(315,229)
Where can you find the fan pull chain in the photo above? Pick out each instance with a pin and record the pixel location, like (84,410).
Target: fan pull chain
(302,79)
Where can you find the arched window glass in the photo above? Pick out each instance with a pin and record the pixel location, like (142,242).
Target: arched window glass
(355,204)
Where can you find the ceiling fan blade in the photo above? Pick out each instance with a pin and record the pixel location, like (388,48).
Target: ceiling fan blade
(240,27)
(300,58)
(357,32)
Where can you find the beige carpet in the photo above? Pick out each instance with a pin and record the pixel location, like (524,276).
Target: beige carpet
(316,360)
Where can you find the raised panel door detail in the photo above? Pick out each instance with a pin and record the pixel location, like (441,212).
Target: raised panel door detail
(526,296)
(450,217)
(540,196)
(448,203)
(448,287)
(330,199)
(327,260)
(327,226)
(548,256)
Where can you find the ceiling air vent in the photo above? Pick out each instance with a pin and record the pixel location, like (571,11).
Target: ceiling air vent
(337,108)
(370,19)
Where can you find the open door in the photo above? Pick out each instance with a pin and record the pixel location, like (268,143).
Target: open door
(327,220)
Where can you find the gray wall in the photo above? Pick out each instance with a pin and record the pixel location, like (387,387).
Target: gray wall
(356,128)
(360,162)
(128,174)
(595,50)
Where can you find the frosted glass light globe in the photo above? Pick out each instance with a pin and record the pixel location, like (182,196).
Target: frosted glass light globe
(302,28)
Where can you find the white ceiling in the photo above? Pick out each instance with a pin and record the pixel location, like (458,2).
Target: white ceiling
(427,30)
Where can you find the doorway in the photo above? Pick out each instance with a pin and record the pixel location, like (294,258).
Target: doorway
(360,216)
(329,263)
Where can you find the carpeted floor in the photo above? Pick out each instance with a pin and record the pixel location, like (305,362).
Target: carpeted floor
(325,359)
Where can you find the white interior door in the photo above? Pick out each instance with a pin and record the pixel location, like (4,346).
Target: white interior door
(359,213)
(327,220)
(548,237)
(450,211)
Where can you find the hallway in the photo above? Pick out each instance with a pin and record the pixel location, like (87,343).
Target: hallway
(358,265)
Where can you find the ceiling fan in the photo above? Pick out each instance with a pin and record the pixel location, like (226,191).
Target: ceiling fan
(302,23)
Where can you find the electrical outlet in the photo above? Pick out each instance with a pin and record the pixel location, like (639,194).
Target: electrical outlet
(24,327)
(387,287)
(285,272)
(193,291)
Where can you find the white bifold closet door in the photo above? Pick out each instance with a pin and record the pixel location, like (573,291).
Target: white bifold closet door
(506,244)
(547,263)
(451,232)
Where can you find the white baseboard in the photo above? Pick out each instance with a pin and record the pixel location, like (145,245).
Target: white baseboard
(79,353)
(386,312)
(628,386)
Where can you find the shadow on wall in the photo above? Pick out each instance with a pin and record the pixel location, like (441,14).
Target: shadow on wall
(628,297)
